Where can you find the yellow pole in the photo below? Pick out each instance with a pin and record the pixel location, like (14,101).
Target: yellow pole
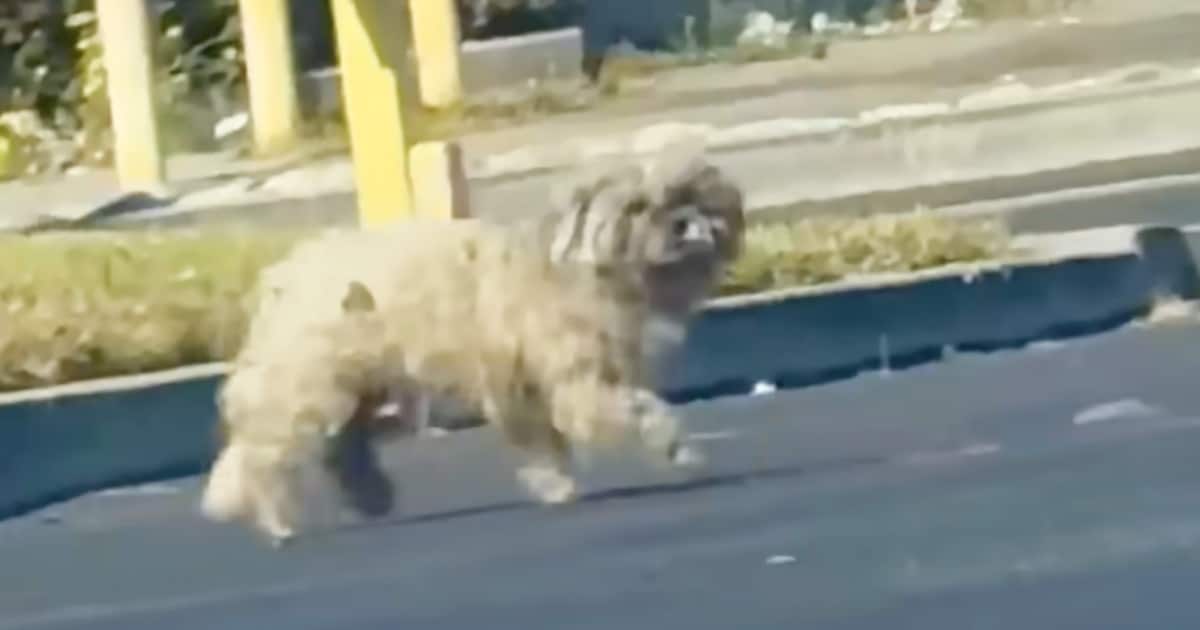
(440,187)
(436,42)
(125,34)
(271,74)
(372,56)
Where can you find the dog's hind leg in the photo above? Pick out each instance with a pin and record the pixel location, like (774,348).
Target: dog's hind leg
(278,511)
(351,456)
(352,461)
(253,483)
(226,495)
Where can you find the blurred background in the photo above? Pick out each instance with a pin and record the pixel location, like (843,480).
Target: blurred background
(50,56)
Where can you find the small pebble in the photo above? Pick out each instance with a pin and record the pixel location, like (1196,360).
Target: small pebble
(1124,409)
(763,387)
(230,125)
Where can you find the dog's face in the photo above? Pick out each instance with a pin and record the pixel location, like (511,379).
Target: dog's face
(646,218)
(696,218)
(673,226)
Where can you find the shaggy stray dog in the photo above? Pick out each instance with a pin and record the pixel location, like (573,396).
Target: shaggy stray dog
(551,330)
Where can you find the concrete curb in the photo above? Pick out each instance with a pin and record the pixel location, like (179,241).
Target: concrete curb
(61,442)
(1073,284)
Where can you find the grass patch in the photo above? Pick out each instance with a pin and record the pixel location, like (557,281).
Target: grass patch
(88,305)
(76,306)
(826,249)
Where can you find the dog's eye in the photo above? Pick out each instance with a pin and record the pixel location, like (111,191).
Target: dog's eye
(679,227)
(637,207)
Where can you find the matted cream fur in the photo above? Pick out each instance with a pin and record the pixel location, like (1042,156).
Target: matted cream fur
(549,329)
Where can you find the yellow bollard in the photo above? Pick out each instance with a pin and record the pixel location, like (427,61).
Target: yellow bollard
(372,60)
(271,74)
(125,34)
(440,186)
(436,36)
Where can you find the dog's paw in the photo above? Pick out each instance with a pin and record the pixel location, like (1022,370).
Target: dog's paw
(688,457)
(548,485)
(226,496)
(279,540)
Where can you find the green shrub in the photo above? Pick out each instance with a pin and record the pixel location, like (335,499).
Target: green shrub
(825,249)
(51,66)
(87,305)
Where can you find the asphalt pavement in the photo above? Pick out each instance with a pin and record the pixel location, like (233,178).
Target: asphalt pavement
(1054,487)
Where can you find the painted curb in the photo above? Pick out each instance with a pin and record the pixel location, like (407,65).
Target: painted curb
(61,442)
(1083,282)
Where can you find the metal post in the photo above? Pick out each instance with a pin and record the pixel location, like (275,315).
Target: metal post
(271,74)
(436,41)
(125,33)
(372,55)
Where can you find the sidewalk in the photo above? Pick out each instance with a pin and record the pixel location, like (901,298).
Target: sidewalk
(858,76)
(898,68)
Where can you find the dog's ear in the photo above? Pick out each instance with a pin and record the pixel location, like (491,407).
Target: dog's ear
(358,299)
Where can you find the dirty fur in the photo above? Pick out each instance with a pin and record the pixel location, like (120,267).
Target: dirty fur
(551,329)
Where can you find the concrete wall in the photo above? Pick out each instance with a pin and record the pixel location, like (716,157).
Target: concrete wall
(486,65)
(510,61)
(498,63)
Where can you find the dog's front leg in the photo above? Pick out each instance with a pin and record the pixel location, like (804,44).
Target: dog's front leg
(592,411)
(547,474)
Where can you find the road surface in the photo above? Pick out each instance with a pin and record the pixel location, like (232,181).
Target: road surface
(1052,488)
